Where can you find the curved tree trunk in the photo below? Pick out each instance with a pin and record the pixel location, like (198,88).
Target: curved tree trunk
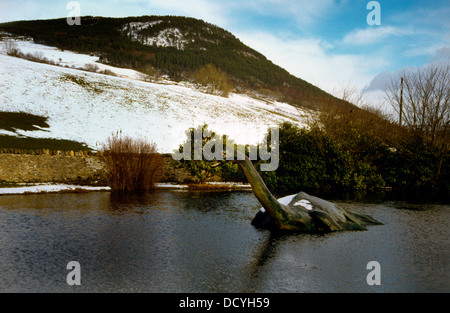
(303,212)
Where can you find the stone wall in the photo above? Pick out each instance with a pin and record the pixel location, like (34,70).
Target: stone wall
(69,168)
(43,168)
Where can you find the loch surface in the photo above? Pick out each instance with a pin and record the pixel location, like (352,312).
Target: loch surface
(179,241)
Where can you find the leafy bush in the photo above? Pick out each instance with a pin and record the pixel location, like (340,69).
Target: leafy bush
(231,172)
(201,168)
(197,166)
(310,159)
(356,157)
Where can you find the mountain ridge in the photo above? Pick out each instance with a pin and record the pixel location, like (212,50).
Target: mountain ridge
(177,47)
(87,107)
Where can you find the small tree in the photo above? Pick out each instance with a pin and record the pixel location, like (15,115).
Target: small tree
(214,79)
(422,100)
(194,161)
(149,73)
(10,47)
(131,164)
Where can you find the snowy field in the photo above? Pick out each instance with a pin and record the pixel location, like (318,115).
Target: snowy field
(56,188)
(89,107)
(48,188)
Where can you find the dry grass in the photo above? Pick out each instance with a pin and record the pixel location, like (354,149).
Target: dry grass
(210,187)
(131,164)
(69,190)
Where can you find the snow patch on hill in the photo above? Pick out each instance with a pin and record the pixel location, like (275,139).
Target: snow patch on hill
(89,107)
(170,37)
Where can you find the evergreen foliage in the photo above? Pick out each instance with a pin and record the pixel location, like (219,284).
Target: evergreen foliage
(193,160)
(210,144)
(353,158)
(319,158)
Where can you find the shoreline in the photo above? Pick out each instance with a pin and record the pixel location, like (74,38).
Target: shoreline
(43,188)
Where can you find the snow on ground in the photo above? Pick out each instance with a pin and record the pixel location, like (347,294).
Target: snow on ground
(89,107)
(47,188)
(55,188)
(72,59)
(231,185)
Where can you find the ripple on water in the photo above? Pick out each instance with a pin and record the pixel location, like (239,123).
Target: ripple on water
(177,241)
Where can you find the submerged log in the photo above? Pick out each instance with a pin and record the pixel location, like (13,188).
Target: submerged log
(300,212)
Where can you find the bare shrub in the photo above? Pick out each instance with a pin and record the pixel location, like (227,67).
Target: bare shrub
(352,124)
(422,100)
(131,164)
(38,56)
(91,67)
(108,72)
(10,47)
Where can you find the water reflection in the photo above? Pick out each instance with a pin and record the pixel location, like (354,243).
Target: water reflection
(176,241)
(265,250)
(126,203)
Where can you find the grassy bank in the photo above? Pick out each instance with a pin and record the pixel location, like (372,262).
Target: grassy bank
(21,121)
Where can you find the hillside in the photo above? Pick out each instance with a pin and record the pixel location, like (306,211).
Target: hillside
(88,107)
(176,47)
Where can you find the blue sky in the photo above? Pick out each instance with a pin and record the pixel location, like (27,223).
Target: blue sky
(326,42)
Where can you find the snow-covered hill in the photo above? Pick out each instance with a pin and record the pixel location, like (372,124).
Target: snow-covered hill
(89,107)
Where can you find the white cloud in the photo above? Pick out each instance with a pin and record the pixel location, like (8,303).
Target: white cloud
(314,61)
(441,54)
(223,13)
(420,49)
(215,12)
(379,82)
(305,12)
(374,35)
(425,18)
(27,9)
(376,89)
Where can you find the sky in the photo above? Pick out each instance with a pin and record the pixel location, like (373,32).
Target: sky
(334,44)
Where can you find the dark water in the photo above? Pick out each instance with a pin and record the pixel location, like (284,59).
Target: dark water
(174,241)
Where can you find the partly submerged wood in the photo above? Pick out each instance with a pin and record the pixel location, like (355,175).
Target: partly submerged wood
(303,213)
